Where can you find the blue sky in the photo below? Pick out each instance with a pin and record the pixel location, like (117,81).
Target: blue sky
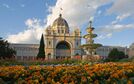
(23,21)
(14,13)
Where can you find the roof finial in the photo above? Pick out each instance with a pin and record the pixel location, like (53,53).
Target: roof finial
(60,12)
(90,23)
(60,15)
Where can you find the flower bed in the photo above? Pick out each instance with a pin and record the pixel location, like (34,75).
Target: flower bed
(108,73)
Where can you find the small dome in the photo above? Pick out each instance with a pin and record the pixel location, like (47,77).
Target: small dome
(60,22)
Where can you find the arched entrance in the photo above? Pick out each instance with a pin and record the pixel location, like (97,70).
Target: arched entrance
(49,56)
(63,50)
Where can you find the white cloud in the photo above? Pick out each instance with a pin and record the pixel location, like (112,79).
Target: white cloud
(114,28)
(32,23)
(104,36)
(76,12)
(109,35)
(120,18)
(108,30)
(31,35)
(121,7)
(6,5)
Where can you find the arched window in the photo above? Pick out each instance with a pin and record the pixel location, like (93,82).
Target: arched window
(58,31)
(77,43)
(49,42)
(62,31)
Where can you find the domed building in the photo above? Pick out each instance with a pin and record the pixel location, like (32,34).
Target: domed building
(59,42)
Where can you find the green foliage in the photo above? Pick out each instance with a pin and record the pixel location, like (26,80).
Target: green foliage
(41,53)
(115,54)
(111,60)
(42,62)
(119,60)
(127,60)
(5,51)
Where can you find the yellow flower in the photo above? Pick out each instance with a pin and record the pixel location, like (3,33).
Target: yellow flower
(129,82)
(96,82)
(49,80)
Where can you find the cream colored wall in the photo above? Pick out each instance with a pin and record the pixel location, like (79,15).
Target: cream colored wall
(131,53)
(131,50)
(105,50)
(25,50)
(55,39)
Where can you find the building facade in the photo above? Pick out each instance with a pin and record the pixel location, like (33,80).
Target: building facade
(25,51)
(59,42)
(131,50)
(105,50)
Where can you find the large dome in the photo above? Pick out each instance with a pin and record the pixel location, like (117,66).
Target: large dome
(60,25)
(60,22)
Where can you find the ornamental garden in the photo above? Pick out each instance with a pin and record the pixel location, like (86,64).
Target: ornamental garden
(116,69)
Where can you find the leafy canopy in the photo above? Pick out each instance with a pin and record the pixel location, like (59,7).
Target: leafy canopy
(115,54)
(5,50)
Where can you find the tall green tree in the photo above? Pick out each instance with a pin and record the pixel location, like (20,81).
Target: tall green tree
(5,50)
(41,53)
(115,54)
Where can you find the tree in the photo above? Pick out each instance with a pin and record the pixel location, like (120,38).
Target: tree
(5,50)
(41,53)
(121,55)
(115,54)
